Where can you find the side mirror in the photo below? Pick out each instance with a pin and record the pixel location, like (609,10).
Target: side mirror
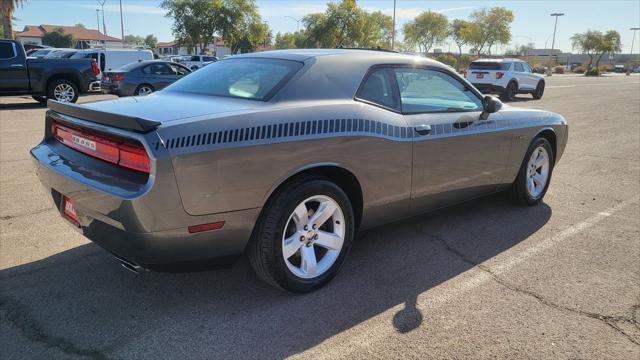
(491,104)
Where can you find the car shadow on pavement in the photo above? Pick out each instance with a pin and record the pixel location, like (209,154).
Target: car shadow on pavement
(23,106)
(82,299)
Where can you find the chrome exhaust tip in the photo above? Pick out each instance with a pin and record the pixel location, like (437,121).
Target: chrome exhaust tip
(133,267)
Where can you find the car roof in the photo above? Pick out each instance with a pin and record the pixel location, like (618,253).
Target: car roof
(364,56)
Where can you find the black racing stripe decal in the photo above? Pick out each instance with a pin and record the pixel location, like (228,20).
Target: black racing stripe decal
(333,126)
(290,130)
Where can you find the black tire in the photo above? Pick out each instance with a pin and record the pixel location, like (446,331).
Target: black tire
(539,91)
(510,92)
(40,99)
(265,248)
(72,94)
(141,86)
(519,192)
(194,68)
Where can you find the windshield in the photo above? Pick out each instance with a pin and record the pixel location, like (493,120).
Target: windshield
(248,78)
(489,65)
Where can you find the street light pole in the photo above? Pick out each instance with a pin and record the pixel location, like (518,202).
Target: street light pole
(633,39)
(553,42)
(121,23)
(294,19)
(393,30)
(104,26)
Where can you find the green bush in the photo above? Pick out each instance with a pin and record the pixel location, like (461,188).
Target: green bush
(447,59)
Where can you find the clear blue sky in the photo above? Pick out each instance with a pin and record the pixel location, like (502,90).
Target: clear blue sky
(532,21)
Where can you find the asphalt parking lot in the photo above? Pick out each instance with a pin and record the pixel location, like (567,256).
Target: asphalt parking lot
(485,279)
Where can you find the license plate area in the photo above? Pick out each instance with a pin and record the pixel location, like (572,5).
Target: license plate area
(69,211)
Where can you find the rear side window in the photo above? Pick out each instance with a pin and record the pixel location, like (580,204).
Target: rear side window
(248,78)
(195,58)
(6,50)
(208,58)
(489,65)
(519,67)
(378,89)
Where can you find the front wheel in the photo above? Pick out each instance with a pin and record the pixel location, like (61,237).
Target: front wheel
(63,90)
(144,89)
(535,173)
(304,235)
(539,91)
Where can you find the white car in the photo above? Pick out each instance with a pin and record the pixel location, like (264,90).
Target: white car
(506,77)
(194,62)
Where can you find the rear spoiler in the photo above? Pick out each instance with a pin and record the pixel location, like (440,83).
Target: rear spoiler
(116,120)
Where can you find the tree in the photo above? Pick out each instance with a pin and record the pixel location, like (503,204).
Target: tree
(57,38)
(425,30)
(195,22)
(81,25)
(7,7)
(595,44)
(151,41)
(133,39)
(488,28)
(344,24)
(243,29)
(456,33)
(290,40)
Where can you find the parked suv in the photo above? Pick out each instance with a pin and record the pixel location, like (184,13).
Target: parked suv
(506,77)
(194,62)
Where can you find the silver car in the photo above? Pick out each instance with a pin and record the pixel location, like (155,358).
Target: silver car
(284,156)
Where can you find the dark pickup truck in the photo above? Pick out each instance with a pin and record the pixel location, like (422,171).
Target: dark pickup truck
(59,79)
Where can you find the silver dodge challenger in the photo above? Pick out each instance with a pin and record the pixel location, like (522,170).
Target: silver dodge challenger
(284,156)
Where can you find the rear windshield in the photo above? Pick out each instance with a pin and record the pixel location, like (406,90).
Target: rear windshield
(42,52)
(248,78)
(489,65)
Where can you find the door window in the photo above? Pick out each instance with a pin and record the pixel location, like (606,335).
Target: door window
(6,50)
(426,91)
(378,89)
(179,70)
(519,67)
(526,67)
(157,69)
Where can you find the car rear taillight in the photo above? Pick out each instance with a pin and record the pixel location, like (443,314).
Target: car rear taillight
(125,154)
(95,68)
(117,77)
(499,75)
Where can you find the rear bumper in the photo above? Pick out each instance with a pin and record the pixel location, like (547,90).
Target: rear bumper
(147,227)
(489,88)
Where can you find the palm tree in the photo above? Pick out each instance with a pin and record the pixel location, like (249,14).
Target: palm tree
(6,10)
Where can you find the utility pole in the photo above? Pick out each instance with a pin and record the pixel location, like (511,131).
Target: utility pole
(393,31)
(553,42)
(104,25)
(121,24)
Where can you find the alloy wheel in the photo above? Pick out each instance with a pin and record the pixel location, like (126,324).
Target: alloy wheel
(313,236)
(145,90)
(64,93)
(537,172)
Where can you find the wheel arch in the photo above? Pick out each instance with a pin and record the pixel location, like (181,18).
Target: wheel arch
(549,134)
(339,174)
(74,78)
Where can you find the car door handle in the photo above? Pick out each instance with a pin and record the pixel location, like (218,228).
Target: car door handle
(423,129)
(17,65)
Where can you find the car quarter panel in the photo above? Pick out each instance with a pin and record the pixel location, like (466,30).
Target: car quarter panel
(236,162)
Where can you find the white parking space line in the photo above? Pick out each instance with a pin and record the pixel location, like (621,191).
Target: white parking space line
(369,332)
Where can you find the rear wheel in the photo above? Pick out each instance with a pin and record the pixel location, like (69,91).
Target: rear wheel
(304,235)
(144,89)
(63,90)
(535,173)
(510,92)
(539,91)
